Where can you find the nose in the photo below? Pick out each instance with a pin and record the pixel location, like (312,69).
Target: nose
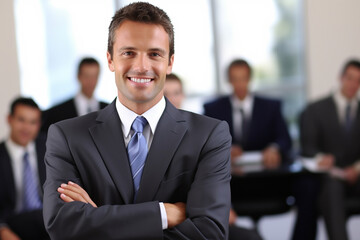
(142,63)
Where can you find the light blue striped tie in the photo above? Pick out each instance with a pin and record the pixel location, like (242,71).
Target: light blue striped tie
(31,198)
(137,151)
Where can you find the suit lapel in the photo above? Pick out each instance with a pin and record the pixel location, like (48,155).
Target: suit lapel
(333,118)
(228,115)
(168,135)
(108,137)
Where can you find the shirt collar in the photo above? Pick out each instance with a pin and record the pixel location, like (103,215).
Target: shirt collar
(342,101)
(152,115)
(245,104)
(83,99)
(19,150)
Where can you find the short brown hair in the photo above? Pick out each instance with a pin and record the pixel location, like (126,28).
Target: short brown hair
(239,63)
(144,13)
(173,77)
(351,63)
(87,61)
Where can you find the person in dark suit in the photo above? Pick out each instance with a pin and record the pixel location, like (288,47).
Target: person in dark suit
(84,102)
(330,132)
(256,123)
(21,218)
(140,168)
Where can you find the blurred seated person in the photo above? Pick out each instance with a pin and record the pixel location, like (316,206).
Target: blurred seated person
(84,102)
(173,90)
(330,133)
(22,174)
(256,123)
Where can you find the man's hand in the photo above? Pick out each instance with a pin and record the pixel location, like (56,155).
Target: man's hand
(232,217)
(236,151)
(7,234)
(271,158)
(72,192)
(175,213)
(351,175)
(326,162)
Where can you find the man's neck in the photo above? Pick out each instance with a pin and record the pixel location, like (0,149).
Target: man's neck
(241,97)
(348,98)
(139,107)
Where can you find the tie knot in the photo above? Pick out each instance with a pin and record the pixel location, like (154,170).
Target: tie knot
(139,124)
(26,156)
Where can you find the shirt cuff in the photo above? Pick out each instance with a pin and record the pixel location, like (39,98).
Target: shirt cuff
(163,216)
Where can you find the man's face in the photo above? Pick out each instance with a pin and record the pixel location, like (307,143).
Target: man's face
(350,82)
(24,124)
(140,62)
(173,91)
(88,78)
(239,77)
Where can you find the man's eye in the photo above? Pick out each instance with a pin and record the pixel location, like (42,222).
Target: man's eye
(128,53)
(154,54)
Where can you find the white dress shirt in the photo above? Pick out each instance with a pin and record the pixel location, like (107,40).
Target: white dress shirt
(152,115)
(85,105)
(246,105)
(16,153)
(341,103)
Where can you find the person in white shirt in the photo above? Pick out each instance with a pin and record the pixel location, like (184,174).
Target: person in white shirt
(84,102)
(22,173)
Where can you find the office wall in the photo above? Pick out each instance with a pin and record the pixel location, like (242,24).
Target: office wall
(9,70)
(332,36)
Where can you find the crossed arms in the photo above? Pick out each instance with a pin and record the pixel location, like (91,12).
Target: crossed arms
(68,216)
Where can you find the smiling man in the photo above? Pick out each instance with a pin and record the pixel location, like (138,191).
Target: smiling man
(140,168)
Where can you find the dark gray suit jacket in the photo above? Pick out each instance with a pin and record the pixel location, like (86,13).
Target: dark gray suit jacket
(322,131)
(189,161)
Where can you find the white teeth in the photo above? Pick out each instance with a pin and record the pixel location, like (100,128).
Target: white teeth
(140,80)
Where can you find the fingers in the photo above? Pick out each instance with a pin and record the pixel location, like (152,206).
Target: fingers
(176,213)
(73,192)
(66,198)
(271,158)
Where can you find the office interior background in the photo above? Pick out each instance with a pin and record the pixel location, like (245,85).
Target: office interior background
(296,47)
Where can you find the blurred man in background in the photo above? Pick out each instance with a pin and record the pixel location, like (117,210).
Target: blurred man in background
(173,90)
(256,123)
(84,102)
(330,132)
(22,173)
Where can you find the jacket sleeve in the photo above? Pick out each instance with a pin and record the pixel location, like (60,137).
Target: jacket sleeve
(208,202)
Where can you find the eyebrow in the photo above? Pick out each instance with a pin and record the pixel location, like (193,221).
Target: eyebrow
(162,51)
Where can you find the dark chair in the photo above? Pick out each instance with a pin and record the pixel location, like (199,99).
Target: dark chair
(352,206)
(260,194)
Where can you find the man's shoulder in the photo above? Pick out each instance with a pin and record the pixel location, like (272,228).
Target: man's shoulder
(200,122)
(321,104)
(267,100)
(218,101)
(61,106)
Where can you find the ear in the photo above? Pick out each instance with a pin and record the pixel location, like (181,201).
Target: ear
(9,118)
(110,62)
(171,63)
